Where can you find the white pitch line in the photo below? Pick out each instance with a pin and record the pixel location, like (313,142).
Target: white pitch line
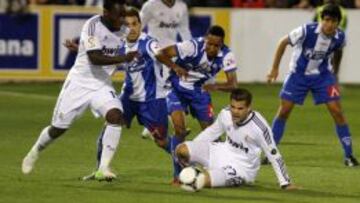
(27,95)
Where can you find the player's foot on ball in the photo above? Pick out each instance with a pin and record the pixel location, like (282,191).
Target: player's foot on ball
(265,161)
(88,177)
(105,175)
(351,161)
(175,182)
(29,161)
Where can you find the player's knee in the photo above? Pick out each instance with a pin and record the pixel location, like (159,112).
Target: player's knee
(284,113)
(338,116)
(182,152)
(114,116)
(55,132)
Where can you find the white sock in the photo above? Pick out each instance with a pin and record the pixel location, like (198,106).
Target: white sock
(110,142)
(43,141)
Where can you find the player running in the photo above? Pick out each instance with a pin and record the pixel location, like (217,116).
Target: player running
(198,62)
(89,84)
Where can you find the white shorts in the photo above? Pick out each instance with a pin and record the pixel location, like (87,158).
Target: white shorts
(74,99)
(221,165)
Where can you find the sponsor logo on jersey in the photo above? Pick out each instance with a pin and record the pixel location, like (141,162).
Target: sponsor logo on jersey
(172,25)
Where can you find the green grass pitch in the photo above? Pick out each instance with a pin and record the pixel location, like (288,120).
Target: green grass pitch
(310,148)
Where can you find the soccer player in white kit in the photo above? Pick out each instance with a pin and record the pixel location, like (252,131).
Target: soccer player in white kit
(165,20)
(89,84)
(237,160)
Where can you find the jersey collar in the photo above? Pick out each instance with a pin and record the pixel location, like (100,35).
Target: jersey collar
(247,120)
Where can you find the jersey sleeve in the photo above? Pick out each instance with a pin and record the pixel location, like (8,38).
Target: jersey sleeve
(186,49)
(229,62)
(90,38)
(213,132)
(297,35)
(153,48)
(265,140)
(184,28)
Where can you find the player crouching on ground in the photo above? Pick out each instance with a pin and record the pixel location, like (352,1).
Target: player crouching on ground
(237,160)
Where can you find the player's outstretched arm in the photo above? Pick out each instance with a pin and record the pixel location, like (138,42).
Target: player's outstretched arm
(274,72)
(230,84)
(165,55)
(98,58)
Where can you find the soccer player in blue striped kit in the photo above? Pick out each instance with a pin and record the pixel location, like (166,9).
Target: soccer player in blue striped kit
(317,54)
(198,61)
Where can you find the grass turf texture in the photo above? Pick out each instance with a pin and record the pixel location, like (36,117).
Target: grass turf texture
(310,148)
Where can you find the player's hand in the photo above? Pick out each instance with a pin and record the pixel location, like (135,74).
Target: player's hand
(272,76)
(181,72)
(71,45)
(131,56)
(290,187)
(209,87)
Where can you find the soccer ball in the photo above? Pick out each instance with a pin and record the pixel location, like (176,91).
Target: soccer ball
(192,179)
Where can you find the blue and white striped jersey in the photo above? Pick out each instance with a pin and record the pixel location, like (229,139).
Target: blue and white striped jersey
(192,57)
(313,50)
(143,81)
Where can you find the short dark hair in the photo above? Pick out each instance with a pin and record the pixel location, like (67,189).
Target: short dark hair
(241,94)
(109,4)
(133,12)
(332,10)
(217,31)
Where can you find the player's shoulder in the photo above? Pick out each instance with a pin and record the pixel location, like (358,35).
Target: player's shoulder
(259,121)
(92,24)
(181,4)
(225,50)
(311,27)
(340,34)
(94,20)
(150,3)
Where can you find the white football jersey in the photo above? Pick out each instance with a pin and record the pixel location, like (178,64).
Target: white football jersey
(164,23)
(245,142)
(96,36)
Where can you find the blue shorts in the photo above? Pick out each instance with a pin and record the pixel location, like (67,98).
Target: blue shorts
(324,88)
(152,114)
(195,101)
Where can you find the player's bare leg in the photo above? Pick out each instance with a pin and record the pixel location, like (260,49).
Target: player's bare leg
(343,132)
(178,120)
(47,135)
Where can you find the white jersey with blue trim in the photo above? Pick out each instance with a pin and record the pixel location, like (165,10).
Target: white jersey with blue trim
(192,57)
(143,81)
(313,50)
(96,36)
(245,142)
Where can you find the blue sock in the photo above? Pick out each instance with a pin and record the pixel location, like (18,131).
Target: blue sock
(343,133)
(99,147)
(278,127)
(175,141)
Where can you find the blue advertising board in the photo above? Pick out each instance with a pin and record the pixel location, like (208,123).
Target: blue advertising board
(19,42)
